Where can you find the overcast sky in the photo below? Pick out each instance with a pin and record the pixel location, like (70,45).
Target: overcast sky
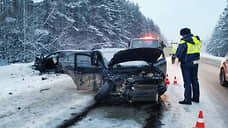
(171,15)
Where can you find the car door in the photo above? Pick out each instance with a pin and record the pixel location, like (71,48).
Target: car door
(66,61)
(51,61)
(87,76)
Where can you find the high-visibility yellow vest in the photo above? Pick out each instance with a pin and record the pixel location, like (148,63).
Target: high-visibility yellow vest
(174,49)
(192,48)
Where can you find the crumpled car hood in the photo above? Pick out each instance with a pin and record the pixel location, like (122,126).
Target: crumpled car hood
(137,54)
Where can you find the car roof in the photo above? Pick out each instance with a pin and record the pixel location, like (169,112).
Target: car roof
(72,50)
(144,39)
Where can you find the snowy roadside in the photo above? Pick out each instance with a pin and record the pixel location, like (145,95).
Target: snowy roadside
(204,57)
(30,100)
(210,59)
(184,116)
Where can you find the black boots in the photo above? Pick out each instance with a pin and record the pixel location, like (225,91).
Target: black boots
(194,100)
(184,102)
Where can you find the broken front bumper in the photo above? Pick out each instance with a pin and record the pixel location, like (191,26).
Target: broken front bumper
(145,95)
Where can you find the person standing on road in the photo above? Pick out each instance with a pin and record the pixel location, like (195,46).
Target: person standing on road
(188,53)
(173,57)
(162,45)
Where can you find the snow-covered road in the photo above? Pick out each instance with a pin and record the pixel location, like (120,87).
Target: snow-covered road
(183,116)
(27,101)
(171,114)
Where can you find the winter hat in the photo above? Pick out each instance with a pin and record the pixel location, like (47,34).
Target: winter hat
(185,31)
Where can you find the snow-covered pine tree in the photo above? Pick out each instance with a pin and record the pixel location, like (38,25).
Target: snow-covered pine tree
(28,29)
(218,44)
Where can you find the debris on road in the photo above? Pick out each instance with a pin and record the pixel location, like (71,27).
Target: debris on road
(44,78)
(45,89)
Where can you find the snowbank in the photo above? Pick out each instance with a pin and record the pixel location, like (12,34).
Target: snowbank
(30,100)
(21,77)
(210,59)
(209,56)
(37,1)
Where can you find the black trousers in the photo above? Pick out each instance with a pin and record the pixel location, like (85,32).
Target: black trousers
(191,84)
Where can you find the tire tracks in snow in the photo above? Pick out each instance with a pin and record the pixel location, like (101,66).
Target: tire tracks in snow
(153,118)
(76,117)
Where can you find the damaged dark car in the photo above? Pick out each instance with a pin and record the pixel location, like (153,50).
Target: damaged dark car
(133,75)
(58,61)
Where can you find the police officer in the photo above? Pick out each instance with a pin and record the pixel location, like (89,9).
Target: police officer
(188,53)
(174,49)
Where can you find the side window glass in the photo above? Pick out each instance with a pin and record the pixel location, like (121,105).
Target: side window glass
(83,61)
(67,59)
(54,55)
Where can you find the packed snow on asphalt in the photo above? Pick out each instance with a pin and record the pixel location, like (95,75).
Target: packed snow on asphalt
(183,116)
(31,100)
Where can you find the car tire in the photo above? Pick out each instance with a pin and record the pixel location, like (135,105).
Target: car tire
(223,81)
(103,92)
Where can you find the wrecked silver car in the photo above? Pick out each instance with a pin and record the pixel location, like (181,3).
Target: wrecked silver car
(133,75)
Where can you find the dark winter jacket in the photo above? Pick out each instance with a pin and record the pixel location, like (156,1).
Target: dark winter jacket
(181,52)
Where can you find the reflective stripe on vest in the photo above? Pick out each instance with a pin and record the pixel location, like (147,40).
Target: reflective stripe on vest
(192,48)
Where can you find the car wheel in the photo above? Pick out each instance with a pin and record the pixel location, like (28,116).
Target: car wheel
(223,81)
(103,92)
